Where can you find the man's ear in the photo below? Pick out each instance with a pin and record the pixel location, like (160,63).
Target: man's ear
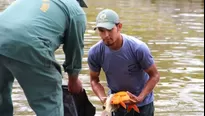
(119,26)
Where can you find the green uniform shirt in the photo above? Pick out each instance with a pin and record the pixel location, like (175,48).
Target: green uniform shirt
(31,31)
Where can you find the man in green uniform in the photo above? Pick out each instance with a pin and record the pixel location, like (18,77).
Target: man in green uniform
(30,32)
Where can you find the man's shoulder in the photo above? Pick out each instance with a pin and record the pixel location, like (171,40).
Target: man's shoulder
(96,48)
(133,41)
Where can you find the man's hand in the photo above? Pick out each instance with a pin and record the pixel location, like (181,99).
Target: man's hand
(103,100)
(75,85)
(134,99)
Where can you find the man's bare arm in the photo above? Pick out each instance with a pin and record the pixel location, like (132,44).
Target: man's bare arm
(97,86)
(151,83)
(74,84)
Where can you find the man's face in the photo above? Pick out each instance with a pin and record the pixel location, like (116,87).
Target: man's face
(109,37)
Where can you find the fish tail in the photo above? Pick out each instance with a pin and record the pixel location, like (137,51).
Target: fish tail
(136,108)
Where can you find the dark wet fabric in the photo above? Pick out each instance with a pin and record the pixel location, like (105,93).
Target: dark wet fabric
(78,104)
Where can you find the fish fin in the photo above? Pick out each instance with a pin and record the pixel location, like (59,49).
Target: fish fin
(123,104)
(129,108)
(136,108)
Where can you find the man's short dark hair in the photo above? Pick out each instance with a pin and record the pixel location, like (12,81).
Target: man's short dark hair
(82,3)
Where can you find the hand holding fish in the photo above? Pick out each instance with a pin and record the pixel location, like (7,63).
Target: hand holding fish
(134,99)
(120,99)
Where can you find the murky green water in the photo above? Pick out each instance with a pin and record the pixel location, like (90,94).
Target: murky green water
(174,31)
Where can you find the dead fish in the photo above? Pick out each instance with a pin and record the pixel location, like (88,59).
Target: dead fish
(109,108)
(114,101)
(120,98)
(106,113)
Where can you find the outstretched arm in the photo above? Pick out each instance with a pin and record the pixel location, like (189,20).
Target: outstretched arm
(97,86)
(151,83)
(146,61)
(73,49)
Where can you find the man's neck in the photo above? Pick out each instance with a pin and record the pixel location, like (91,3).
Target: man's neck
(118,44)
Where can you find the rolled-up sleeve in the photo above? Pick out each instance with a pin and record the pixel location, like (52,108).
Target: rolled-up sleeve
(74,44)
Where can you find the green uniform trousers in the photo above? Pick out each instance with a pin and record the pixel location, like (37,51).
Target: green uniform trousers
(41,85)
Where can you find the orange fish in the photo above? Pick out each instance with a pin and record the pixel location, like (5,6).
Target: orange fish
(120,98)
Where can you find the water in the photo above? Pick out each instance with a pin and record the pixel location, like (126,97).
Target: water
(174,31)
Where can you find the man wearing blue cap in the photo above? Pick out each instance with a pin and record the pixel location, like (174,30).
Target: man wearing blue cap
(127,63)
(30,32)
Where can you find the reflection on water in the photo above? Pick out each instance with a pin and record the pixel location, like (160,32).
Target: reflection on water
(174,31)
